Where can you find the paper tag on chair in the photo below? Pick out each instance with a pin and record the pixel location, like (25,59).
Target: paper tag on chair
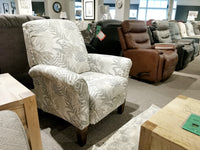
(101,36)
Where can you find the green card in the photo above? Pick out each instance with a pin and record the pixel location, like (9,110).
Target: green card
(88,27)
(98,29)
(193,124)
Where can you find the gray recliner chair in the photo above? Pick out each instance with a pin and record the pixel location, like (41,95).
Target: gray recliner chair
(185,48)
(176,36)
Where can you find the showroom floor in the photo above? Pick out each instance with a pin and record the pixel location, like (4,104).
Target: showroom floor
(140,96)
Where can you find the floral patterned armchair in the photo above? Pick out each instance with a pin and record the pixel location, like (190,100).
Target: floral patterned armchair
(78,87)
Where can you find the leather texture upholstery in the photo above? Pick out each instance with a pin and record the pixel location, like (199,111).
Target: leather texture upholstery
(13,57)
(161,31)
(110,45)
(147,63)
(185,48)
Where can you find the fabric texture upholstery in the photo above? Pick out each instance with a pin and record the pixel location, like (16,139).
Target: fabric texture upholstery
(79,97)
(62,50)
(190,30)
(13,135)
(148,63)
(182,28)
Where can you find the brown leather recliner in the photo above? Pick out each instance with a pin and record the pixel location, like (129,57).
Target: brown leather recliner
(149,62)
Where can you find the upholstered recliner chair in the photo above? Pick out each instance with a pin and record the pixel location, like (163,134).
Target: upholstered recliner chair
(183,28)
(189,29)
(196,27)
(185,48)
(79,87)
(110,45)
(148,63)
(185,54)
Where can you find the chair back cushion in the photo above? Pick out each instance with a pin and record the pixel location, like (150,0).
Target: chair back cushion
(135,34)
(182,29)
(196,27)
(56,42)
(190,30)
(110,44)
(174,31)
(161,31)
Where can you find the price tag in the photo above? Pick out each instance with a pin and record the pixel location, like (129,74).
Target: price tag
(101,36)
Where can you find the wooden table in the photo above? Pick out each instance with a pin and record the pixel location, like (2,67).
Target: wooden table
(14,96)
(164,130)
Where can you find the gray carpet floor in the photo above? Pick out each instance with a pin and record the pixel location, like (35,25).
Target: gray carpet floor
(58,134)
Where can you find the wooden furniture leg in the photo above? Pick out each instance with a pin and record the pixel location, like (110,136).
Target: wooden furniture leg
(82,136)
(120,109)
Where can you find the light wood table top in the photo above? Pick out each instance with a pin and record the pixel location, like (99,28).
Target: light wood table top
(163,131)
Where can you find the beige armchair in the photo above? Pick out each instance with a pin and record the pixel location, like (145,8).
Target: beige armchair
(78,87)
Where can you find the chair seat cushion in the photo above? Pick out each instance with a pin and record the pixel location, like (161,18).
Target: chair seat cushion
(105,92)
(12,134)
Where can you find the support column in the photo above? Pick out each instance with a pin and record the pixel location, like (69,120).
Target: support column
(170,9)
(23,7)
(122,8)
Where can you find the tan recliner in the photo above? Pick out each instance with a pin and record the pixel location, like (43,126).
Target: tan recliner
(148,63)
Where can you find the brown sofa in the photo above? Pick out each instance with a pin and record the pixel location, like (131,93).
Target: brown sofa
(13,58)
(148,63)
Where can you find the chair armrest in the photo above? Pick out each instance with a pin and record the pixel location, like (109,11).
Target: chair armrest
(108,64)
(195,39)
(145,61)
(66,86)
(185,41)
(165,46)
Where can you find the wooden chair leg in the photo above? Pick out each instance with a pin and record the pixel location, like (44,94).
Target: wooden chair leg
(82,136)
(120,109)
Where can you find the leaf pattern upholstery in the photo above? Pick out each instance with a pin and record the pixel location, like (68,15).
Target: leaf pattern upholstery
(79,87)
(46,45)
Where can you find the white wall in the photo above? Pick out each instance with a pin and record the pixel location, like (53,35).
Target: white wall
(9,6)
(131,1)
(67,6)
(189,2)
(24,7)
(123,13)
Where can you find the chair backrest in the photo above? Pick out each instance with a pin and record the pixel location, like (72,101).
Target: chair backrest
(190,30)
(174,31)
(56,42)
(110,44)
(161,31)
(13,57)
(135,35)
(196,27)
(182,29)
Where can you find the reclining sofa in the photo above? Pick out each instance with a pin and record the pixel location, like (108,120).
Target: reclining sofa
(166,32)
(13,57)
